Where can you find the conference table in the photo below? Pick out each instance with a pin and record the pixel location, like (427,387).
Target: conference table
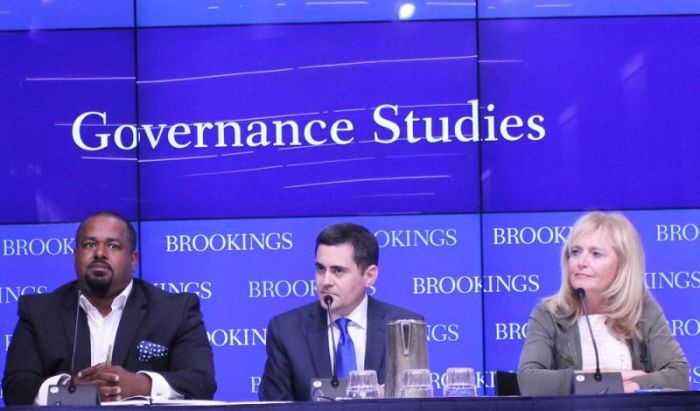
(679,400)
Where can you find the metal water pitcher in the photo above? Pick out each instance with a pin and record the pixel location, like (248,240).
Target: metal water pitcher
(407,348)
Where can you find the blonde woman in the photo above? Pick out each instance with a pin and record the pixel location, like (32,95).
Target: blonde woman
(602,255)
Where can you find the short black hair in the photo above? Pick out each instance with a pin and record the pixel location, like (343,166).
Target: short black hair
(364,245)
(131,233)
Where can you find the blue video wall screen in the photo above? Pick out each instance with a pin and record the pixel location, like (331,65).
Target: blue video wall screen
(467,146)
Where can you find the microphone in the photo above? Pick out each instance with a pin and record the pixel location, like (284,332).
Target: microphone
(329,301)
(73,394)
(329,389)
(71,381)
(581,294)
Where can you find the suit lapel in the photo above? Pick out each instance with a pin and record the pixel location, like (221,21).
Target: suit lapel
(83,354)
(133,314)
(375,351)
(317,341)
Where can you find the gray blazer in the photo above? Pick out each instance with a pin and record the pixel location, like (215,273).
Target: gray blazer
(552,351)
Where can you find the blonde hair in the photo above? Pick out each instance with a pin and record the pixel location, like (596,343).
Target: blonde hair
(625,295)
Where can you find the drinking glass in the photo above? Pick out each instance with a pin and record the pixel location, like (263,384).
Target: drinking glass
(459,382)
(363,384)
(416,383)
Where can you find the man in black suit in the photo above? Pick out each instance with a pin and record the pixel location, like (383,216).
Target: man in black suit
(132,338)
(298,347)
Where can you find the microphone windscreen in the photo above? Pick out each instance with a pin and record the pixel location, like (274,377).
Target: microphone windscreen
(328,300)
(581,293)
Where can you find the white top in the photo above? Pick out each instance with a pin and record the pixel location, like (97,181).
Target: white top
(614,352)
(103,330)
(357,328)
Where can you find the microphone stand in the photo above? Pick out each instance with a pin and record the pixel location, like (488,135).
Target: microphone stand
(581,294)
(73,394)
(334,381)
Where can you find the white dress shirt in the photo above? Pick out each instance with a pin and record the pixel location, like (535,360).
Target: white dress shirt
(103,330)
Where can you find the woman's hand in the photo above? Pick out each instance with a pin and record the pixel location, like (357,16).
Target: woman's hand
(627,379)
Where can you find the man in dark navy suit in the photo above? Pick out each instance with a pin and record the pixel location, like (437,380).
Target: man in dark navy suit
(132,338)
(298,342)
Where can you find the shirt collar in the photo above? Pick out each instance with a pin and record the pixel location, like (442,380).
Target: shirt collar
(358,316)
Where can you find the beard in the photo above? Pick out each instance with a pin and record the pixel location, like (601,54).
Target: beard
(99,284)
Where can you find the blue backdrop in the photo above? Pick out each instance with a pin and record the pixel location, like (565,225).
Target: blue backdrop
(468,137)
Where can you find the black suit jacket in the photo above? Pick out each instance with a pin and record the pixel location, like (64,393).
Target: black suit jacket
(297,348)
(42,342)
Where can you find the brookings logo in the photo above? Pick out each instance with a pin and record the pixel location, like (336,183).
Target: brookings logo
(37,246)
(242,337)
(286,288)
(12,294)
(466,284)
(203,289)
(217,242)
(435,237)
(530,235)
(677,232)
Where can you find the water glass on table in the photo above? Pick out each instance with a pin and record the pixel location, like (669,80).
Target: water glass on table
(416,383)
(362,384)
(459,382)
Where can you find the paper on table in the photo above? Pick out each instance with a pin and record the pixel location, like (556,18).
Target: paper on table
(146,400)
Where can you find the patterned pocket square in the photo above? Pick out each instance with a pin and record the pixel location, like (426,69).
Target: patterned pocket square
(149,350)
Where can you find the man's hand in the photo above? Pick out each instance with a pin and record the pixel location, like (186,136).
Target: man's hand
(114,382)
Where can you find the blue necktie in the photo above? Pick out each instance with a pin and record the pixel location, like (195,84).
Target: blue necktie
(345,355)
